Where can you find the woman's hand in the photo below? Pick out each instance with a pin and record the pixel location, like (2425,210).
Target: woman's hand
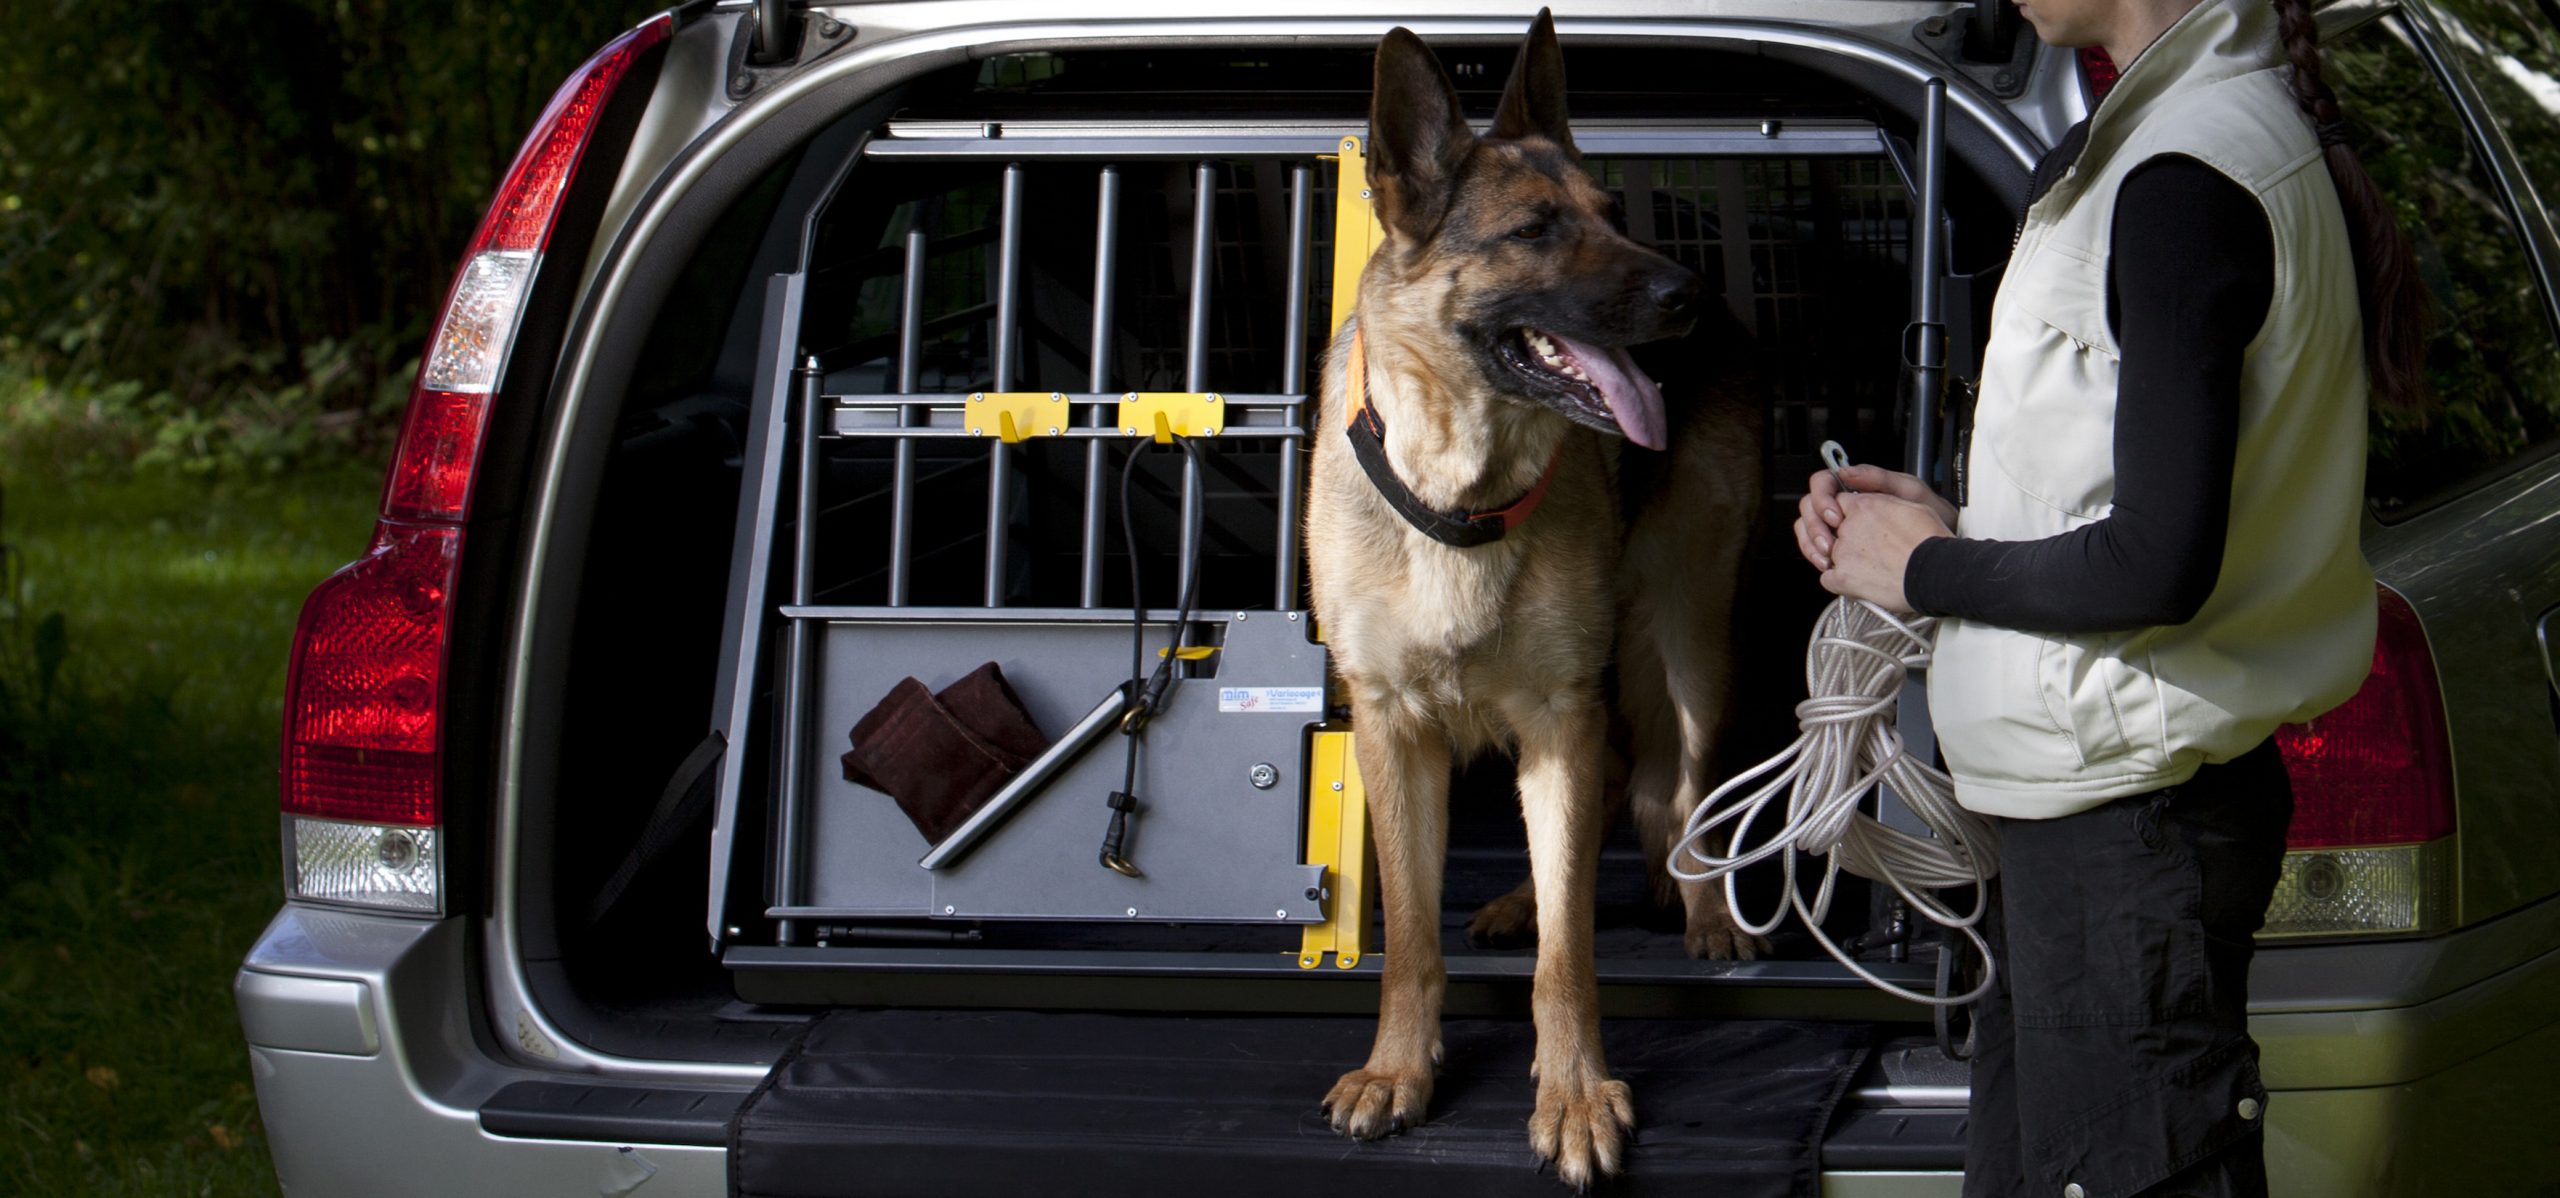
(1862,542)
(1873,547)
(1818,514)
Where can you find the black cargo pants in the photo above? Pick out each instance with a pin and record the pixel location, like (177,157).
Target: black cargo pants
(2114,1058)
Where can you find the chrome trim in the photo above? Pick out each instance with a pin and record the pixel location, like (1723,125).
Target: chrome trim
(509,994)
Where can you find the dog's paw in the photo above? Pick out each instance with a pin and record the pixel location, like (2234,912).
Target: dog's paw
(1719,938)
(1367,1104)
(1507,922)
(1581,1127)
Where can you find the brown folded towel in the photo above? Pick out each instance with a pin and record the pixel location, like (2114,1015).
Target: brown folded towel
(942,756)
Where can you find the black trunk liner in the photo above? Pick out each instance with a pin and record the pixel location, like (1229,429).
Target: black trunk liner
(1007,1103)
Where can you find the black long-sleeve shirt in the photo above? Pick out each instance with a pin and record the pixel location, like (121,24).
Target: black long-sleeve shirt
(2191,271)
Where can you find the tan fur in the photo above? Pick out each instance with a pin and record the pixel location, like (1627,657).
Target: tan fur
(1444,652)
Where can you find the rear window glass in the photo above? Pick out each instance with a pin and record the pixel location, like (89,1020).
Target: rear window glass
(2491,358)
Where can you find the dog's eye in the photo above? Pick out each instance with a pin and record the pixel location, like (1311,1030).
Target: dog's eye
(1531,231)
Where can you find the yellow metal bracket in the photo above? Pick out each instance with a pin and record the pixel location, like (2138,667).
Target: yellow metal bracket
(1010,416)
(1356,231)
(1338,840)
(1165,415)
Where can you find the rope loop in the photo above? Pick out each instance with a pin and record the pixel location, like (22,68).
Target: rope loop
(1846,745)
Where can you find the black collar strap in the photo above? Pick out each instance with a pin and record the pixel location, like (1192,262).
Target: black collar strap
(1461,529)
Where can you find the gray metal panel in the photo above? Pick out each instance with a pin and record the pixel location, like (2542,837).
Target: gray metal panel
(306,1014)
(742,623)
(1214,847)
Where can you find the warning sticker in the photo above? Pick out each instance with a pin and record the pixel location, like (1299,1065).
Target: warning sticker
(1301,700)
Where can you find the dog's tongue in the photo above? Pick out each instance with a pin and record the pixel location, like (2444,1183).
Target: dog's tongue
(1633,399)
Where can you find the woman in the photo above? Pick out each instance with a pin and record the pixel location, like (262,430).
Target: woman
(2157,564)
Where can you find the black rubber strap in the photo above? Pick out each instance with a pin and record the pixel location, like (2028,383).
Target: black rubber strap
(686,798)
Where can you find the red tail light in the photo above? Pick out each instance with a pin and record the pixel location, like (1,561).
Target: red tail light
(364,693)
(2377,770)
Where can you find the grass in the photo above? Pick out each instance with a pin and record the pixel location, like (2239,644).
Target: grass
(138,834)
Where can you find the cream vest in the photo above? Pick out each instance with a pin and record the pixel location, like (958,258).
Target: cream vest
(2036,726)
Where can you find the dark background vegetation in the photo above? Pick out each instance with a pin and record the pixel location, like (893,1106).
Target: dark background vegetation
(224,227)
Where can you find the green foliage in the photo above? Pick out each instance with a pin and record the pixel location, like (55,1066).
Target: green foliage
(142,643)
(246,212)
(2490,359)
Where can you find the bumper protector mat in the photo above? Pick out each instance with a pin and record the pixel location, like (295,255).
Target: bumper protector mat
(956,1103)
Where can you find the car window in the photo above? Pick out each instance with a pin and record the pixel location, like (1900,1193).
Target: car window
(2491,357)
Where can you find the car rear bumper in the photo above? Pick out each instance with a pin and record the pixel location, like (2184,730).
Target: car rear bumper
(377,1076)
(371,1070)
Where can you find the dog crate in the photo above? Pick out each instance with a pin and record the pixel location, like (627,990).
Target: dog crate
(958,458)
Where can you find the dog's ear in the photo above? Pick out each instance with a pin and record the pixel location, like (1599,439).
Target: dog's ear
(1533,101)
(1417,136)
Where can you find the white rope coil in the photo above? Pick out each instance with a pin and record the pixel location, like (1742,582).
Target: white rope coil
(1847,743)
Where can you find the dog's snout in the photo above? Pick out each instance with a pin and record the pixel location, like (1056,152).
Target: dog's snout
(1676,293)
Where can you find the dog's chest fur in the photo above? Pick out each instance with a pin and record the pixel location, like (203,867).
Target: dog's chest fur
(1452,636)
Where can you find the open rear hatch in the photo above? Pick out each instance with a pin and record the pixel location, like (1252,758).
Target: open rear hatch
(990,302)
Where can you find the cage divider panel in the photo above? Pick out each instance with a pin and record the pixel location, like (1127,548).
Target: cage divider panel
(759,509)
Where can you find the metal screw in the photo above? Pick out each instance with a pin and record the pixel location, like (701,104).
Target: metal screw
(1283,913)
(976,396)
(990,129)
(1128,397)
(733,929)
(1239,617)
(1133,431)
(1313,894)
(1263,775)
(1055,397)
(1213,397)
(1053,430)
(1293,616)
(1364,193)
(1769,128)
(1133,911)
(746,83)
(1934,27)
(2004,80)
(948,909)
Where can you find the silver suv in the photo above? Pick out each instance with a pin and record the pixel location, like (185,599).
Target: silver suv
(801,353)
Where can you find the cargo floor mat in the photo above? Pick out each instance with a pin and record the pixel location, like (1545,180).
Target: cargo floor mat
(956,1103)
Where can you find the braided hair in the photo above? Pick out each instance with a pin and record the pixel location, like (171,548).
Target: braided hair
(2395,314)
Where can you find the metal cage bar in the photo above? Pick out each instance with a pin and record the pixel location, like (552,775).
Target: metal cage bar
(1293,378)
(1106,276)
(799,644)
(1008,336)
(902,485)
(1195,348)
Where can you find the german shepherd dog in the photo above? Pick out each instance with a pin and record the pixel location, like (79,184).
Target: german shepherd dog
(1474,574)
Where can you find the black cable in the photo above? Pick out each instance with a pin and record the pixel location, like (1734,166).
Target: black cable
(1146,689)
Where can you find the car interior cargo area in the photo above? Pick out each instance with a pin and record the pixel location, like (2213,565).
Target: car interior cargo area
(1024,376)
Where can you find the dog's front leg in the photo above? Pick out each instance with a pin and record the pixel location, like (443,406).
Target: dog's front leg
(1404,764)
(1582,1114)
